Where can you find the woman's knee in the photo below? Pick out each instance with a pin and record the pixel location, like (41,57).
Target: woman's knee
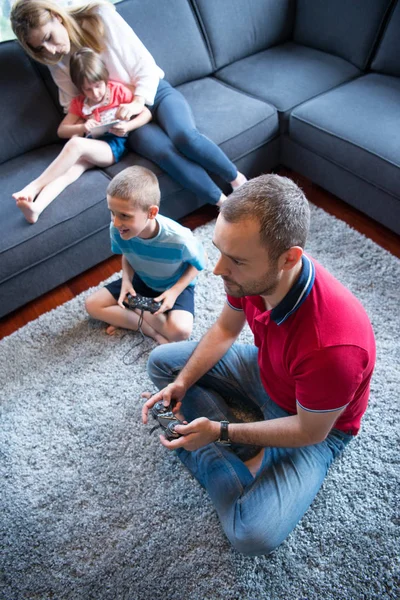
(187,140)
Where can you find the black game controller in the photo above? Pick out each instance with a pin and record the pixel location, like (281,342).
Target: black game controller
(142,303)
(166,421)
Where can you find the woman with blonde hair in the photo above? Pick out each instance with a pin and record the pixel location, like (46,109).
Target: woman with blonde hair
(50,34)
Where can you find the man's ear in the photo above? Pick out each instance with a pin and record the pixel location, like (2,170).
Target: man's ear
(290,258)
(152,212)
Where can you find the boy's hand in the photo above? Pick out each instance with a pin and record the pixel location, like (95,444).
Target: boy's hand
(168,299)
(126,288)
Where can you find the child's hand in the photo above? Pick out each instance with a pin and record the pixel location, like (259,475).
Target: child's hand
(126,288)
(168,299)
(127,111)
(120,129)
(89,124)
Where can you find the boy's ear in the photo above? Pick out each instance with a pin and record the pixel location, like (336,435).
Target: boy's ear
(153,211)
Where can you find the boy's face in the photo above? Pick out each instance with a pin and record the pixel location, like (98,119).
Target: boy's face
(131,221)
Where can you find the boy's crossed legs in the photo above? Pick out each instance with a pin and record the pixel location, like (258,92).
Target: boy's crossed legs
(174,325)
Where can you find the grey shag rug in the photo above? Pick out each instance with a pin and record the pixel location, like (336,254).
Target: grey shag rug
(92,507)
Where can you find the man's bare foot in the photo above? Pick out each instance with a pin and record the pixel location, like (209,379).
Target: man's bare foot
(28,193)
(253,464)
(29,210)
(111,330)
(240,180)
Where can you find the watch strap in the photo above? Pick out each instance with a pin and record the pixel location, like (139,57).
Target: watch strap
(224,434)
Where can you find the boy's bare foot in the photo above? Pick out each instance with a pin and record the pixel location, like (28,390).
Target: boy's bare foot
(253,464)
(111,330)
(29,210)
(240,180)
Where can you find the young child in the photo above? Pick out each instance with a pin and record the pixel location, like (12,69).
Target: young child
(160,260)
(99,103)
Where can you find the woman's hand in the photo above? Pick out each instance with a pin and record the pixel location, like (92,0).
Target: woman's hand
(126,288)
(125,112)
(121,128)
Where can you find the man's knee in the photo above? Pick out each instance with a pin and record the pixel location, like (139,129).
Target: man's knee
(254,542)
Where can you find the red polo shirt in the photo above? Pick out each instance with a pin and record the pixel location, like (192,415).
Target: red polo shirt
(316,348)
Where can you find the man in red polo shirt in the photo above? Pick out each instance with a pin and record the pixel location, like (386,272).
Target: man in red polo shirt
(308,372)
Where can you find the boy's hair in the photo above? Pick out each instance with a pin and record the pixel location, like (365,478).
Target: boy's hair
(85,64)
(280,207)
(136,185)
(30,14)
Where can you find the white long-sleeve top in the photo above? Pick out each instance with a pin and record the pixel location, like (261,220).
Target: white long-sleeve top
(125,56)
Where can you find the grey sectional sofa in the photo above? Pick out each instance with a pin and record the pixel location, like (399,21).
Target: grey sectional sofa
(313,85)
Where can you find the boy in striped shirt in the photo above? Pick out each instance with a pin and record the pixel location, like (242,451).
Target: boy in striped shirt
(160,260)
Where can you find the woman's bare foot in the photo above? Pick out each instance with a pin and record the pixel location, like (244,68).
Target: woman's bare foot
(29,210)
(240,180)
(28,193)
(253,464)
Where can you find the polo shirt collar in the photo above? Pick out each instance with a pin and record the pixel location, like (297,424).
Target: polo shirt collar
(297,294)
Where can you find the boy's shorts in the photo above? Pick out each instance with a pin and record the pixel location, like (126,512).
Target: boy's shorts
(185,300)
(116,143)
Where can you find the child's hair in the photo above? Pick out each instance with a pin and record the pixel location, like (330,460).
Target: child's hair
(87,65)
(136,185)
(30,14)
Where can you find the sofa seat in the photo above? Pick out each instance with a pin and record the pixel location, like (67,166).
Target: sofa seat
(287,75)
(78,214)
(241,132)
(356,126)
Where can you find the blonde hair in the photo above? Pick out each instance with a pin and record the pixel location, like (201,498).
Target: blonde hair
(87,65)
(27,15)
(138,186)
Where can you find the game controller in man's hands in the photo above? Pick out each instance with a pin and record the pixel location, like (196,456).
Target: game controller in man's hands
(142,303)
(166,420)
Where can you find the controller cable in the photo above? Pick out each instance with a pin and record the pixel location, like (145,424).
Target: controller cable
(135,344)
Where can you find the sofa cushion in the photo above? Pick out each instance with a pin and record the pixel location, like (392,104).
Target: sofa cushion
(233,120)
(170,31)
(356,127)
(237,28)
(28,114)
(288,74)
(79,212)
(387,58)
(343,28)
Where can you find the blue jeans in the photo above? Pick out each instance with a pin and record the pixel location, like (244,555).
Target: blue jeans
(257,514)
(174,143)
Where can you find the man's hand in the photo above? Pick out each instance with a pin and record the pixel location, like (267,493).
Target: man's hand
(174,391)
(126,288)
(196,434)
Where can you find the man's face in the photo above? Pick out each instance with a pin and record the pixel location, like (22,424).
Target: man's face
(244,265)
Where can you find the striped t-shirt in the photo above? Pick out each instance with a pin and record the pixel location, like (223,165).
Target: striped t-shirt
(162,260)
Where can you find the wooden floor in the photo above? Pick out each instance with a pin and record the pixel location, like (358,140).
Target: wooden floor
(379,234)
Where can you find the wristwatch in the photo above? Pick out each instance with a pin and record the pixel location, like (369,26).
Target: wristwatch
(224,434)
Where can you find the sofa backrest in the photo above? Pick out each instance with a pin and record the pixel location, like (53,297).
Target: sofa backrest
(235,29)
(29,118)
(387,57)
(170,31)
(345,28)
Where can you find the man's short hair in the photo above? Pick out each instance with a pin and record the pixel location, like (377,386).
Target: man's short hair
(278,204)
(137,185)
